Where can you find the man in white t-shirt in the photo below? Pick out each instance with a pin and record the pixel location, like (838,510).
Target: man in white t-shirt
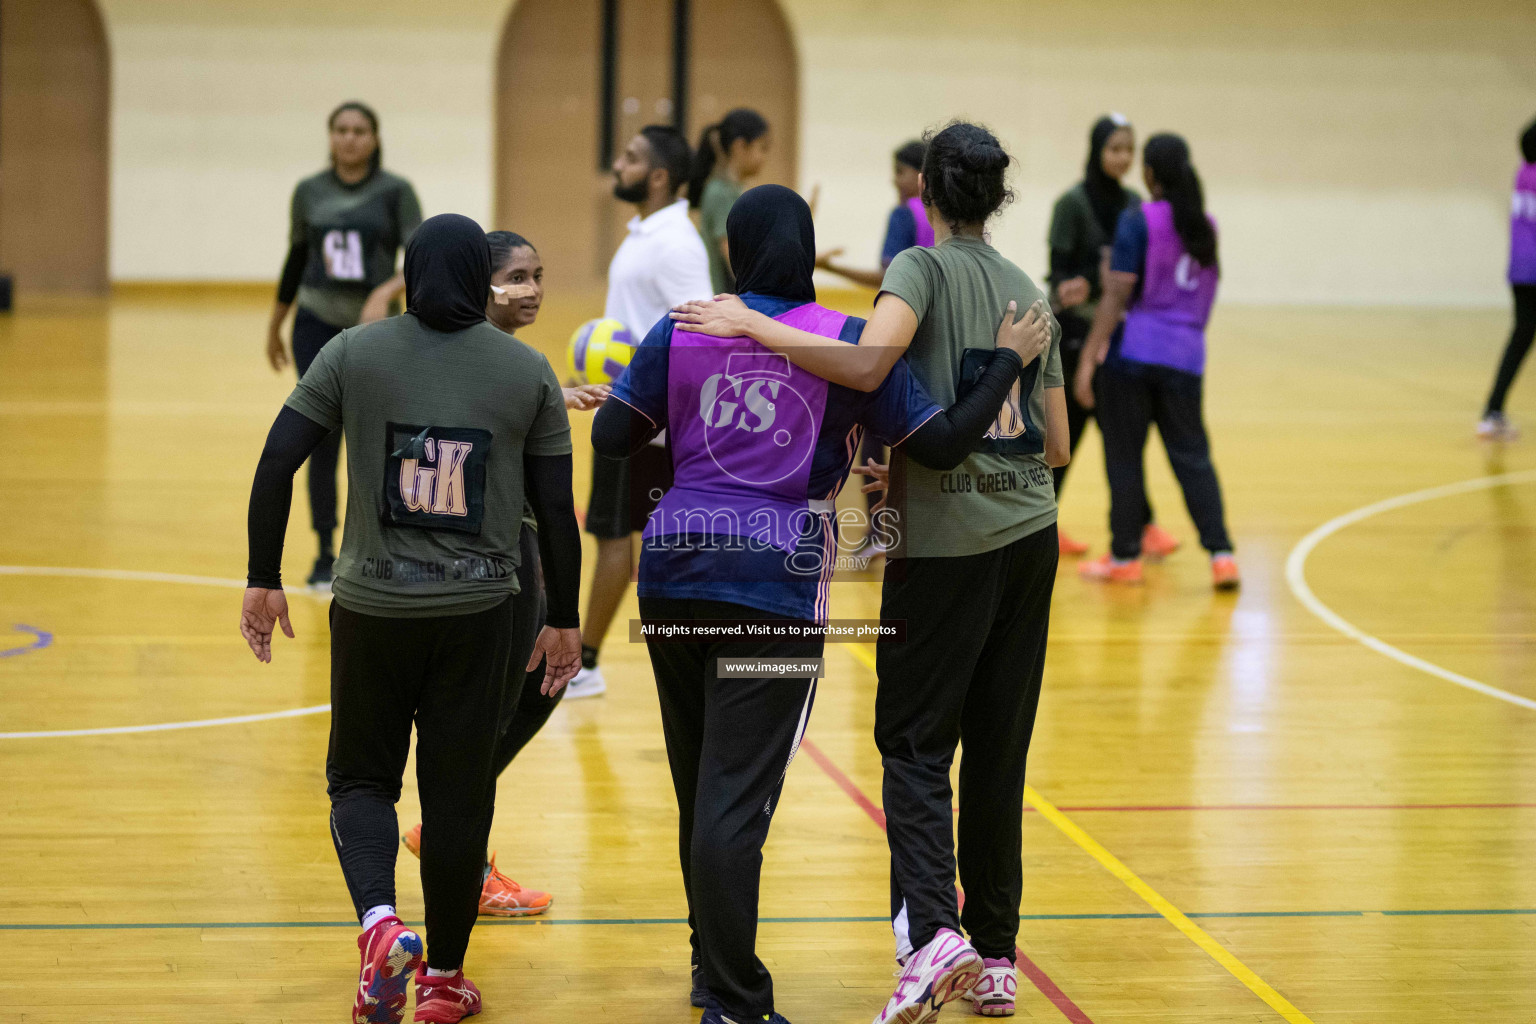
(660,264)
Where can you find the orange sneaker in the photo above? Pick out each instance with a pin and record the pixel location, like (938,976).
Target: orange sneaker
(1106,570)
(502,897)
(1068,546)
(412,841)
(1157,543)
(1224,574)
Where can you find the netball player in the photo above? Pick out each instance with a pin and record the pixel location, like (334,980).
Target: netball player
(1522,281)
(971,575)
(347,226)
(907,225)
(660,263)
(1162,280)
(746,535)
(731,152)
(517,292)
(1082,228)
(421,631)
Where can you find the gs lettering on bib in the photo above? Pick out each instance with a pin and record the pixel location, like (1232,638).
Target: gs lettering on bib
(1012,432)
(434,477)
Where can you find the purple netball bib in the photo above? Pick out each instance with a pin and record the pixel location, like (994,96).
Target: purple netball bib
(743,423)
(920,218)
(1522,228)
(1166,326)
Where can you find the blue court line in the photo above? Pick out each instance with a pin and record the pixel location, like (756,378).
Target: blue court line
(198,925)
(40,638)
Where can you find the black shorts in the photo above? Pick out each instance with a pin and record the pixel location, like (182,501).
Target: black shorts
(625,491)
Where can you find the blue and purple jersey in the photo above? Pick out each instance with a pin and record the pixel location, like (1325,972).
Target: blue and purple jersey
(760,450)
(1165,324)
(1522,228)
(907,227)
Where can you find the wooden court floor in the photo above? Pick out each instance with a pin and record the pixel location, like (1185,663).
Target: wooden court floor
(1254,808)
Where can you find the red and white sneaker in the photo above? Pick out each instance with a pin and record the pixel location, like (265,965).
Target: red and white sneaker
(445,1000)
(391,952)
(939,973)
(996,990)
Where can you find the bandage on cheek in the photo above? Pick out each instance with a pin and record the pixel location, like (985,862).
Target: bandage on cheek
(512,292)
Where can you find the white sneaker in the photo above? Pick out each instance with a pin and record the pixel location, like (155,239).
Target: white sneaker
(996,990)
(940,972)
(1495,427)
(587,683)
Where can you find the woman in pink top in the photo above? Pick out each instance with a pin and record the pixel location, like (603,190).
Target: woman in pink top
(1522,280)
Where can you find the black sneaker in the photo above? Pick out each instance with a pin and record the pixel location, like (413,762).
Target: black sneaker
(320,575)
(698,995)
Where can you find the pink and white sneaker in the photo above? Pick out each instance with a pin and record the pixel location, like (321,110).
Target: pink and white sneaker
(996,990)
(445,1000)
(939,973)
(391,952)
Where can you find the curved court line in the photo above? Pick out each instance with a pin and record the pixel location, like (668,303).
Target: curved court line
(1296,578)
(40,638)
(134,575)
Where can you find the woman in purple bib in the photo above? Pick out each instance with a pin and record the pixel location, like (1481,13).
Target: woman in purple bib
(1522,281)
(1162,277)
(737,559)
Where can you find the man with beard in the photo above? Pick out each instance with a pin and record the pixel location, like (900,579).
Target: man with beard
(660,264)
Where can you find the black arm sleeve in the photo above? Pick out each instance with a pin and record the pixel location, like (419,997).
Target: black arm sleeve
(292,437)
(547,480)
(619,430)
(293,272)
(946,439)
(1063,266)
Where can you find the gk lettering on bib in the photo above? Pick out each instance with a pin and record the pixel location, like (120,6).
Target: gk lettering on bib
(343,255)
(1012,432)
(434,477)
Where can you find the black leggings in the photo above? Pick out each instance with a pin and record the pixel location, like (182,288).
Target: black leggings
(446,675)
(1519,345)
(310,334)
(524,710)
(1078,416)
(1131,397)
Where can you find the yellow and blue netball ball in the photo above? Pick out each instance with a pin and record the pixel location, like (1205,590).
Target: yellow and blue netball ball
(599,351)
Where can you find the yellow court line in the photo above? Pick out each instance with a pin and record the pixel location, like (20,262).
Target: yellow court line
(1109,862)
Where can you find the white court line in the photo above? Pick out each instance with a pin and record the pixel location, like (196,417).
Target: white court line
(1296,577)
(137,576)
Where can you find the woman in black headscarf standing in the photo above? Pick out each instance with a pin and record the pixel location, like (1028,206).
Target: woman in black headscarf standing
(449,425)
(747,536)
(1082,228)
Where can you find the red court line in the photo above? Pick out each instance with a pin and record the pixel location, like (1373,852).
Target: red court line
(1032,971)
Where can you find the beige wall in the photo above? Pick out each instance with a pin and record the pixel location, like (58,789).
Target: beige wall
(1354,152)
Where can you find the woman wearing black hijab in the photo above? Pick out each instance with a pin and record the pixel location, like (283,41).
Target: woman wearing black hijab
(746,536)
(449,424)
(1082,228)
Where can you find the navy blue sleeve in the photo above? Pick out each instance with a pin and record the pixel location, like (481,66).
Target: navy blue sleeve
(898,406)
(1130,252)
(643,385)
(900,233)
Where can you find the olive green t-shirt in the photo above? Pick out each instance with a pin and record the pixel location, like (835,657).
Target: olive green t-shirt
(720,194)
(1004,491)
(437,426)
(352,234)
(1075,230)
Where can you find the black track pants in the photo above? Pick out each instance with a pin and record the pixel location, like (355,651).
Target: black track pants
(1520,338)
(729,744)
(310,334)
(968,673)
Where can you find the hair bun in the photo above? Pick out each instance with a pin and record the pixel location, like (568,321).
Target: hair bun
(985,157)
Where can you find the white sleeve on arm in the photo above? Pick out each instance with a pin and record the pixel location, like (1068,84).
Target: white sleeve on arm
(684,273)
